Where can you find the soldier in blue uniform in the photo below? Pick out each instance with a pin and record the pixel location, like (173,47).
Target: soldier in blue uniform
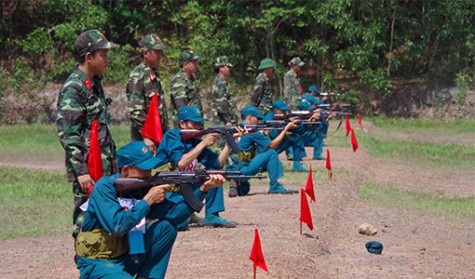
(259,153)
(293,139)
(102,247)
(186,154)
(314,135)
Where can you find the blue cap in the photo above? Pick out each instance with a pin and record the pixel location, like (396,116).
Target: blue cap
(191,113)
(313,88)
(305,105)
(251,110)
(310,98)
(280,105)
(374,247)
(137,153)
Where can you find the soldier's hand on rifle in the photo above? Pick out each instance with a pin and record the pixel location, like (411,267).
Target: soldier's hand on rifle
(151,144)
(241,131)
(291,125)
(210,139)
(156,194)
(215,180)
(315,116)
(85,181)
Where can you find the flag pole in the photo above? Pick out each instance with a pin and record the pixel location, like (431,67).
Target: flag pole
(255,272)
(300,228)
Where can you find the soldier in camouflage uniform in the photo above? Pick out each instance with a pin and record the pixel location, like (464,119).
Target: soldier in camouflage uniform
(224,110)
(262,96)
(292,89)
(144,82)
(80,102)
(183,90)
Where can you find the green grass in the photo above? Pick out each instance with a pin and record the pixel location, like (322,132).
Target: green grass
(391,197)
(436,155)
(457,126)
(34,203)
(44,138)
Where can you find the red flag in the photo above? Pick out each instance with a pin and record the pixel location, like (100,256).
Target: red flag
(256,253)
(301,89)
(305,215)
(360,122)
(348,127)
(94,159)
(354,141)
(329,165)
(309,185)
(152,127)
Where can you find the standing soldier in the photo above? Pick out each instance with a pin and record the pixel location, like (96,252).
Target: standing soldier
(183,89)
(80,102)
(144,83)
(292,88)
(224,110)
(262,96)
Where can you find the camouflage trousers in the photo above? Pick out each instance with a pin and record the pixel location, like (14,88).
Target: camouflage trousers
(78,215)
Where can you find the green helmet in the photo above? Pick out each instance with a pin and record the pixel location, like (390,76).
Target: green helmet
(296,61)
(266,63)
(150,42)
(91,40)
(222,61)
(187,55)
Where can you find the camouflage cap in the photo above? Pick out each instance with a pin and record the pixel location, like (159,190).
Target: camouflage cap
(91,40)
(296,61)
(266,63)
(151,41)
(222,61)
(187,55)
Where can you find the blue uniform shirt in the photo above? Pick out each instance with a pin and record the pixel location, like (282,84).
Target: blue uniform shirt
(248,141)
(173,148)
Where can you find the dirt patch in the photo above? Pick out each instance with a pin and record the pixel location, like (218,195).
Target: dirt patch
(416,244)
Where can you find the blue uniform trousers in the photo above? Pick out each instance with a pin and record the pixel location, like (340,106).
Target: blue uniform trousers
(158,240)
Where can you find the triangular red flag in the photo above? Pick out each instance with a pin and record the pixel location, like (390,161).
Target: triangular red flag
(309,186)
(329,165)
(94,159)
(256,253)
(354,141)
(152,127)
(305,215)
(347,126)
(360,121)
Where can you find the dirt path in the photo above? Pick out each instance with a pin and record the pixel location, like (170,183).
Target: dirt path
(416,245)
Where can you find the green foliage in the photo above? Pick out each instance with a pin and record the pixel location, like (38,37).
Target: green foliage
(463,82)
(390,196)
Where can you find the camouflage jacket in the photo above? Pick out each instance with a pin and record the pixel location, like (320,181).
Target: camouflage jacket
(224,109)
(80,102)
(183,91)
(262,96)
(292,94)
(143,84)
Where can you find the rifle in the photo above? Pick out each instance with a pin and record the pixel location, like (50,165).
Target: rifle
(227,131)
(333,106)
(183,179)
(305,114)
(283,122)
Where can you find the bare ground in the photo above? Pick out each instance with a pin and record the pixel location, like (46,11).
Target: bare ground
(416,244)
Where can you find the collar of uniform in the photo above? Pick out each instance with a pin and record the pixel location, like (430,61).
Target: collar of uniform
(88,82)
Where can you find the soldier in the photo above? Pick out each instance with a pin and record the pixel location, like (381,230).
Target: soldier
(292,88)
(262,96)
(144,83)
(185,155)
(110,245)
(80,102)
(259,153)
(223,108)
(183,89)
